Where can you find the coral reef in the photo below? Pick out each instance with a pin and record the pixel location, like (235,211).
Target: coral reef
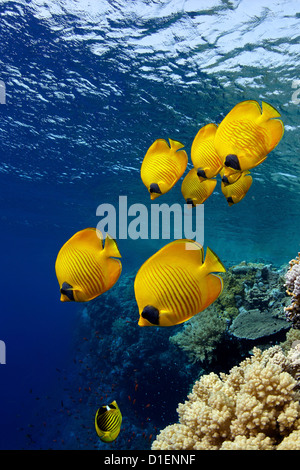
(116,359)
(260,303)
(254,324)
(292,284)
(254,407)
(251,308)
(200,335)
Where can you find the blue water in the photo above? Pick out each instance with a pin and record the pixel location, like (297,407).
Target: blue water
(89,86)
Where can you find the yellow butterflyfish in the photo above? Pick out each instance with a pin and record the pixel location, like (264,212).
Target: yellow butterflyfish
(229,178)
(163,166)
(108,422)
(236,191)
(203,153)
(194,191)
(84,268)
(247,135)
(176,283)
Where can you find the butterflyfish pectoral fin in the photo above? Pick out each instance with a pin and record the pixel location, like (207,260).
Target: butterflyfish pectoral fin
(248,162)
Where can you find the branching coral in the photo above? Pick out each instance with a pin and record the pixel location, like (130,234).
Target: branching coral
(292,284)
(253,407)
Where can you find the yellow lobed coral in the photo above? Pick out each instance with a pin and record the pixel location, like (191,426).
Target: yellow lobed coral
(253,407)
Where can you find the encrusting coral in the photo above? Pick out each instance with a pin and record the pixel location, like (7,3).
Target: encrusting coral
(254,407)
(292,284)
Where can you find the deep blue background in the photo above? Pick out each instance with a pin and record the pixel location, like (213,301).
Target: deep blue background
(74,131)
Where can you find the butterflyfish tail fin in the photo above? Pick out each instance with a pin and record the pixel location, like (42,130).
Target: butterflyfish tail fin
(212,263)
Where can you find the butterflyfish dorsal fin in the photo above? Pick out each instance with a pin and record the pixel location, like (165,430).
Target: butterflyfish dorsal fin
(111,249)
(212,263)
(189,250)
(175,144)
(180,155)
(268,111)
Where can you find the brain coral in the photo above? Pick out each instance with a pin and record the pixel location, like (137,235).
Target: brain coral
(254,407)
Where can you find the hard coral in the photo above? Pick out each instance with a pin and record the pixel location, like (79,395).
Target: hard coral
(199,337)
(253,407)
(292,284)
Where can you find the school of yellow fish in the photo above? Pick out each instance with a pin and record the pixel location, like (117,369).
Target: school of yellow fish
(238,144)
(177,282)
